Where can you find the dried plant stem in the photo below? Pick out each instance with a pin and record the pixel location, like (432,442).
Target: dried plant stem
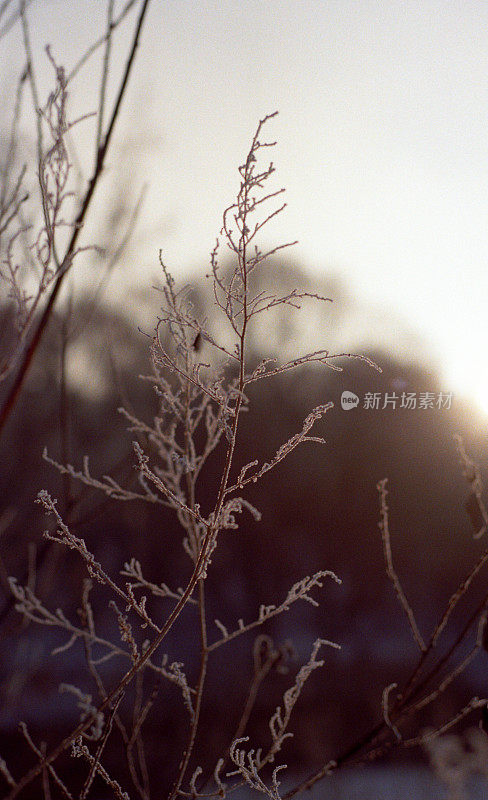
(473,704)
(385,533)
(125,681)
(261,671)
(66,261)
(199,410)
(204,654)
(386,734)
(103,741)
(412,688)
(105,69)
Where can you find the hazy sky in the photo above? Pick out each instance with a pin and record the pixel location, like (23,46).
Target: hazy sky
(382,143)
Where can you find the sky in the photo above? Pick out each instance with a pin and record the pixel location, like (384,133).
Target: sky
(381,144)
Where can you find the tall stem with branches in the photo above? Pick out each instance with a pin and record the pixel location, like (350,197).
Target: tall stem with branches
(196,400)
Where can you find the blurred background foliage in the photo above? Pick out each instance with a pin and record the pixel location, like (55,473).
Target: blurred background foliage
(320,510)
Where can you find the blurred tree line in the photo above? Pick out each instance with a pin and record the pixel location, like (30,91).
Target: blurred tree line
(320,510)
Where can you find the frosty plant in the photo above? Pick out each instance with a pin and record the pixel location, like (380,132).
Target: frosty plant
(199,414)
(200,406)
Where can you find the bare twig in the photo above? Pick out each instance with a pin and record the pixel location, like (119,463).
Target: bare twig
(66,261)
(385,533)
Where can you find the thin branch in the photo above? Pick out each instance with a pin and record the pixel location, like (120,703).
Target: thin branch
(105,68)
(390,570)
(67,260)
